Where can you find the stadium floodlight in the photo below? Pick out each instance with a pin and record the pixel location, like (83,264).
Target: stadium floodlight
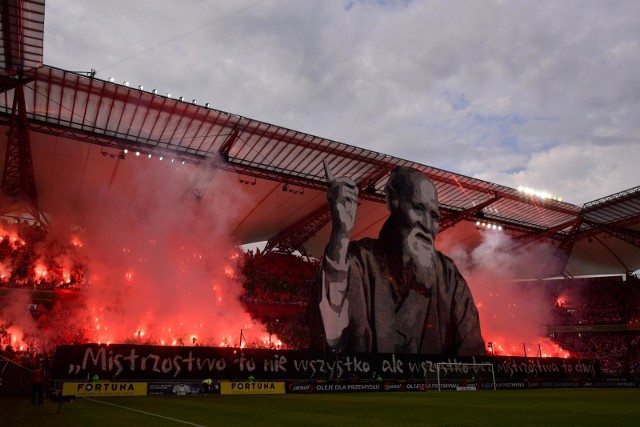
(481,225)
(126,83)
(111,79)
(539,194)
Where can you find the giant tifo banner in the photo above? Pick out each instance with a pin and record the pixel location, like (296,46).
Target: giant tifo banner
(125,362)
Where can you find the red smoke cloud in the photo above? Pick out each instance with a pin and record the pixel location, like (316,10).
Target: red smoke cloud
(513,316)
(157,258)
(153,238)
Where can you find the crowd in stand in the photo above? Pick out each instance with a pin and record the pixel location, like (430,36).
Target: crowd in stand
(30,260)
(603,301)
(599,301)
(279,279)
(275,278)
(612,350)
(604,312)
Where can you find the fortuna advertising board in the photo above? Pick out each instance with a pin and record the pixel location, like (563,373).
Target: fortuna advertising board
(104,388)
(259,387)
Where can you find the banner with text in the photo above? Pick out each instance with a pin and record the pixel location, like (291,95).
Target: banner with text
(104,388)
(125,362)
(258,387)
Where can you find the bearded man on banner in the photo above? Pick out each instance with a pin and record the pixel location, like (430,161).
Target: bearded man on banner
(397,293)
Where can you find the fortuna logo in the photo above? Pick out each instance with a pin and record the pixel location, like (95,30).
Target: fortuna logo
(106,387)
(253,386)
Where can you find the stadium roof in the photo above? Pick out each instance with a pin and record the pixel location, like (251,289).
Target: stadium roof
(80,123)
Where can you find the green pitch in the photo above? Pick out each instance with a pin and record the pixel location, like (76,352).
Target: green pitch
(583,407)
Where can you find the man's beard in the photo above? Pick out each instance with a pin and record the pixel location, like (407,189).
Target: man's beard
(419,260)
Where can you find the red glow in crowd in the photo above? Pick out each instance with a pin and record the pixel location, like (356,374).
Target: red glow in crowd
(139,297)
(171,302)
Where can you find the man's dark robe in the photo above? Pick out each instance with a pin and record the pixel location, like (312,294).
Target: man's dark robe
(389,312)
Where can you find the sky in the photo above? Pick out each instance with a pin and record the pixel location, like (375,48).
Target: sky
(542,94)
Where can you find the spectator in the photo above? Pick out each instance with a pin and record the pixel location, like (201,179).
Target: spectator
(37,384)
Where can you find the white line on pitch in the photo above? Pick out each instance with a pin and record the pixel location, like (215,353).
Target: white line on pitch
(146,413)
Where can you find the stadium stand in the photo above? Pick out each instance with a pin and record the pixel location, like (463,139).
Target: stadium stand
(592,318)
(595,318)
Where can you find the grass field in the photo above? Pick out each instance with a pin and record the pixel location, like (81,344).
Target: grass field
(571,407)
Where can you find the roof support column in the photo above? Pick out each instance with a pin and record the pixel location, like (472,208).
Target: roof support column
(18,181)
(557,263)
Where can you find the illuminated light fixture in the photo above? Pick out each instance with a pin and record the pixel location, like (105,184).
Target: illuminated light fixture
(481,225)
(125,83)
(181,98)
(206,105)
(111,79)
(137,153)
(168,95)
(194,101)
(183,162)
(539,194)
(154,91)
(141,87)
(126,151)
(172,160)
(161,157)
(149,155)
